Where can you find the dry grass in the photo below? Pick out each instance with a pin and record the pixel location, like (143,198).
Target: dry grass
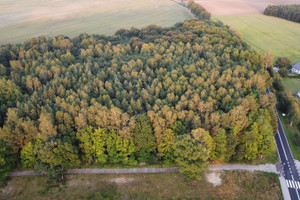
(235,185)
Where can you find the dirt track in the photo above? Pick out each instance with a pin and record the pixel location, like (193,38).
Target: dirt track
(240,7)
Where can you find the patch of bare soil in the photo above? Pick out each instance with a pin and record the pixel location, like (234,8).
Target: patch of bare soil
(214,178)
(8,189)
(78,182)
(122,180)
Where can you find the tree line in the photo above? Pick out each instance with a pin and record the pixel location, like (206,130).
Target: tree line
(188,94)
(287,102)
(289,12)
(198,10)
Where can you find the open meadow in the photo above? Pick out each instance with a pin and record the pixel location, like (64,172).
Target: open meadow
(234,185)
(20,20)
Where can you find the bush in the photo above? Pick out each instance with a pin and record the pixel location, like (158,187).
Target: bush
(152,160)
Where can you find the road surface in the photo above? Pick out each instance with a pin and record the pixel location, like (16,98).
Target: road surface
(288,167)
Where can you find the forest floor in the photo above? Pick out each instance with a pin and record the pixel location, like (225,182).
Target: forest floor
(20,20)
(220,185)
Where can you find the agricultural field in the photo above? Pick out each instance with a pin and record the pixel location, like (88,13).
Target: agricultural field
(20,20)
(240,7)
(225,185)
(265,33)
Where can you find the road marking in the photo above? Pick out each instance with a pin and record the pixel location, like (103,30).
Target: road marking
(293,184)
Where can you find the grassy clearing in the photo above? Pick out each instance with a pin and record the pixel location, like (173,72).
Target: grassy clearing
(292,84)
(236,185)
(24,19)
(265,33)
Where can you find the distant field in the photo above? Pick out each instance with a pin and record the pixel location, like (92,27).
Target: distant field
(236,185)
(240,7)
(265,33)
(20,20)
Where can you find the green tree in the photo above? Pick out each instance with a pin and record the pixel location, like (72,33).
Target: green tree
(93,144)
(220,144)
(179,128)
(143,138)
(192,153)
(7,161)
(28,156)
(250,142)
(231,144)
(17,131)
(166,147)
(57,156)
(266,143)
(10,93)
(120,149)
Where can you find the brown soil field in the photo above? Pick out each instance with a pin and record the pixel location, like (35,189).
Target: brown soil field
(240,7)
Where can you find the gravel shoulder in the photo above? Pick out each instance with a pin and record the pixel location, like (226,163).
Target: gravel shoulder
(264,168)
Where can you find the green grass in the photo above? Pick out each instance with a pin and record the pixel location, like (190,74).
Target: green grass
(235,185)
(31,18)
(292,85)
(265,33)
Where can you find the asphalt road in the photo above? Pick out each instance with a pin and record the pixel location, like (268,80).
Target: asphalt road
(288,167)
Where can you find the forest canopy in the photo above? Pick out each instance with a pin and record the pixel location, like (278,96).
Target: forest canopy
(289,12)
(142,95)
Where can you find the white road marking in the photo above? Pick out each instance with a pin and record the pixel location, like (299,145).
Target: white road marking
(293,184)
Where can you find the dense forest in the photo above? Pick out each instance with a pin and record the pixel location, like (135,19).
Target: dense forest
(289,12)
(188,94)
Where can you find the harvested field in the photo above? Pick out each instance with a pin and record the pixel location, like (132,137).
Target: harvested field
(20,20)
(240,7)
